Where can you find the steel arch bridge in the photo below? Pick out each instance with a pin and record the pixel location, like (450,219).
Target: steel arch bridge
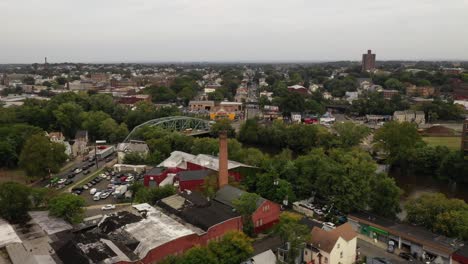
(185,124)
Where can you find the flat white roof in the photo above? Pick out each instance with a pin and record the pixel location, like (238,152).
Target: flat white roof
(7,234)
(179,159)
(155,230)
(49,224)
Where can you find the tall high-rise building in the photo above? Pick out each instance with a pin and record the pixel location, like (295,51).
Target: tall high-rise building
(464,137)
(368,61)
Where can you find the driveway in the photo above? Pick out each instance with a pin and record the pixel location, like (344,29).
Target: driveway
(369,250)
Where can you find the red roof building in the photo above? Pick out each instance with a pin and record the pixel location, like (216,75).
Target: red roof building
(265,216)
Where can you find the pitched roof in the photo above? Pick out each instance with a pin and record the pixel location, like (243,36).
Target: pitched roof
(228,194)
(326,240)
(193,175)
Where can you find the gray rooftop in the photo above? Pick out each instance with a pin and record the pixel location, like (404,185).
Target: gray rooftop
(228,194)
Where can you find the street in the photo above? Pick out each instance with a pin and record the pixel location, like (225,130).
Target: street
(370,251)
(79,176)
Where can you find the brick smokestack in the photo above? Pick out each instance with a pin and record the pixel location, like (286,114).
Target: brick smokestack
(223,159)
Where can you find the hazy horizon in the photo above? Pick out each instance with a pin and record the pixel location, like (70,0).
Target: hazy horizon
(217,31)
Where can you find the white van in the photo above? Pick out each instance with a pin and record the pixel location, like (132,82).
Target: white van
(92,191)
(97,196)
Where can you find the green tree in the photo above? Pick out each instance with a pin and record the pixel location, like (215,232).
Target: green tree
(223,124)
(234,248)
(198,255)
(14,202)
(246,205)
(385,196)
(291,231)
(67,206)
(134,158)
(160,94)
(152,195)
(68,117)
(394,84)
(92,122)
(39,156)
(8,156)
(102,102)
(350,134)
(398,140)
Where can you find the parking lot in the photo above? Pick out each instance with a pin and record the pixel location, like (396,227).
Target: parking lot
(113,188)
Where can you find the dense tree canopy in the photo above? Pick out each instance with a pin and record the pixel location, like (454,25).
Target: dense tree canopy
(436,212)
(67,206)
(40,156)
(14,202)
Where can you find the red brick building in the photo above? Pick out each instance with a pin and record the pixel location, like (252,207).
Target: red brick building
(298,89)
(368,61)
(267,212)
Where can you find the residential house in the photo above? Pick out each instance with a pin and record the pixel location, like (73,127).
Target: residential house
(265,216)
(266,257)
(423,91)
(336,246)
(461,256)
(410,116)
(210,88)
(58,137)
(298,89)
(201,105)
(80,144)
(296,117)
(389,94)
(133,146)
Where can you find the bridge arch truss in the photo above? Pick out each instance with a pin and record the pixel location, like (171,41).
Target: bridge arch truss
(188,125)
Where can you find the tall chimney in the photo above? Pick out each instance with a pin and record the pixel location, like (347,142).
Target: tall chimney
(223,159)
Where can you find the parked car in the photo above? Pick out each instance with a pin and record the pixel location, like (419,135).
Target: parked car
(97,196)
(108,178)
(71,175)
(89,184)
(104,195)
(85,167)
(85,187)
(68,182)
(86,172)
(78,192)
(62,181)
(129,179)
(93,182)
(93,191)
(329,224)
(108,207)
(78,170)
(318,211)
(407,256)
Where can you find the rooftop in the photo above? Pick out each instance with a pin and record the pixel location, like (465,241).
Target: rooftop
(195,209)
(132,147)
(228,194)
(7,234)
(194,175)
(326,240)
(412,233)
(51,225)
(179,159)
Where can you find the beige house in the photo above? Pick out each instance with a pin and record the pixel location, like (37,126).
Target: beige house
(337,246)
(410,116)
(134,146)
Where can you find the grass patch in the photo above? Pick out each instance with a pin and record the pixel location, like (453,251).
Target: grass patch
(14,175)
(452,143)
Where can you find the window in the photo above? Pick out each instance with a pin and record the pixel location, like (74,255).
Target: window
(338,246)
(326,260)
(260,222)
(341,254)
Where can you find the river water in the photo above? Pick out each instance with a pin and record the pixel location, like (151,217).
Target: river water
(416,185)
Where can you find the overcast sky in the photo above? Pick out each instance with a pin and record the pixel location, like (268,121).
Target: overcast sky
(234,30)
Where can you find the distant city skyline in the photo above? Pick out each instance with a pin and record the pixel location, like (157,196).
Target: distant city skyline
(112,31)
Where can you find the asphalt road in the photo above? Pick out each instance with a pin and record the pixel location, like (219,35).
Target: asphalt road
(79,176)
(370,251)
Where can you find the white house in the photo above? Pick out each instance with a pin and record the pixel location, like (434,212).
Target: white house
(134,146)
(337,246)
